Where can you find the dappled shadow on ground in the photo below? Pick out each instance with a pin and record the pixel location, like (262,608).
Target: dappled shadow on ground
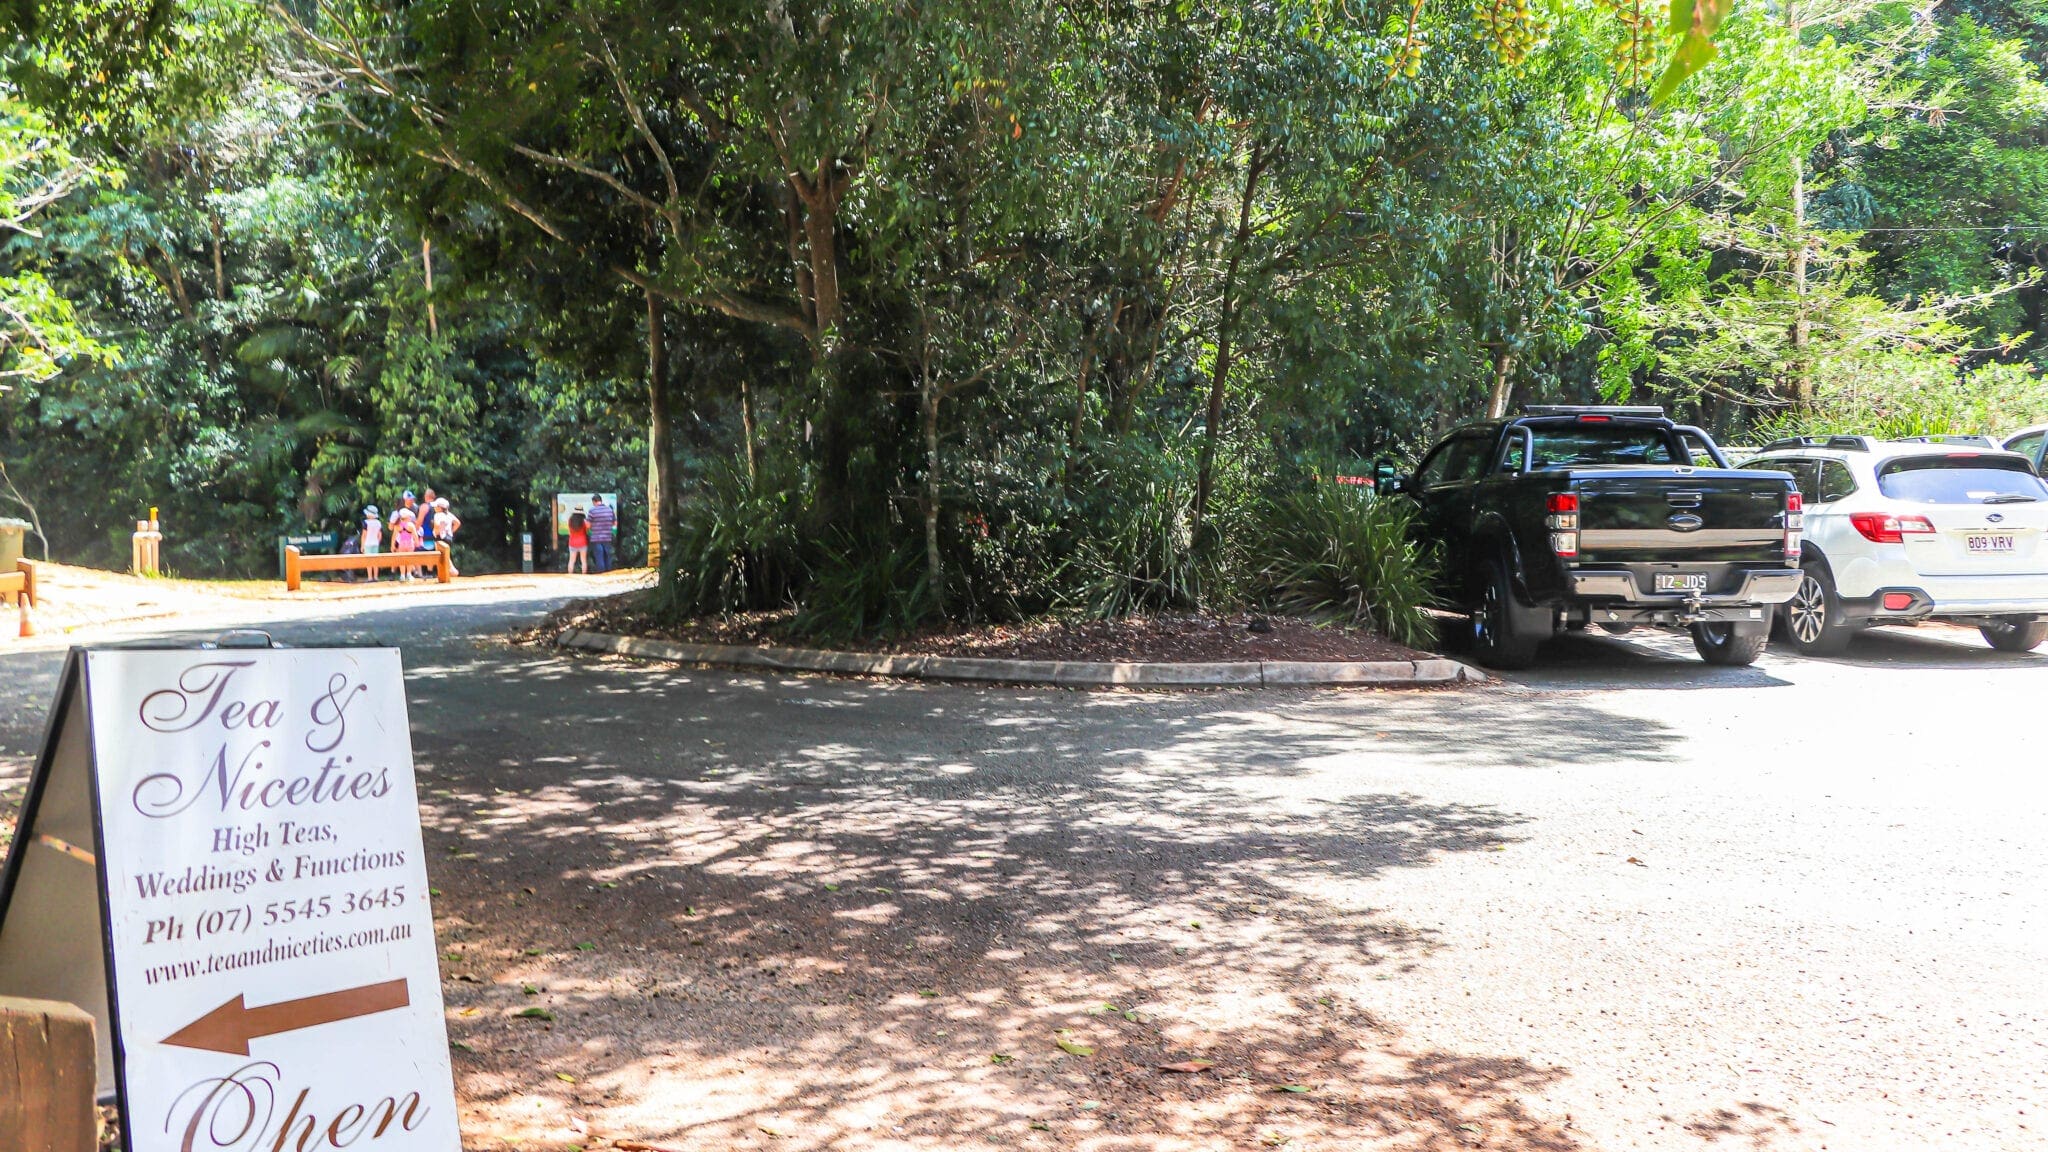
(1649,659)
(1935,646)
(1746,1125)
(1646,659)
(805,913)
(27,682)
(819,914)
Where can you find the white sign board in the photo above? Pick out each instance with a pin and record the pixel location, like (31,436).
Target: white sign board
(568,502)
(271,972)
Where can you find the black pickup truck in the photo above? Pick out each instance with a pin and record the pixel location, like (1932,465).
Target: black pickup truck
(1566,517)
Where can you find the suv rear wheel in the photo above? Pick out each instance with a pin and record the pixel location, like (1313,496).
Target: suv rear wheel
(2015,634)
(1733,644)
(1812,618)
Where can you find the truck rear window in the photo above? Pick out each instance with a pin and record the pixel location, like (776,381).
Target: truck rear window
(1579,446)
(1960,480)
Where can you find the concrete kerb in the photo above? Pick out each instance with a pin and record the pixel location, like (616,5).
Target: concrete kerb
(1058,673)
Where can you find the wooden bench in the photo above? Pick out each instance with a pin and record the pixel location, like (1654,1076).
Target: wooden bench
(21,582)
(296,564)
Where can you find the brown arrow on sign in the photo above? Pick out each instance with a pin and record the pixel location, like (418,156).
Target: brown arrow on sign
(230,1027)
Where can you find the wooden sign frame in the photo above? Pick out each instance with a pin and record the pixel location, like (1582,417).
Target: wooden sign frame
(94,994)
(51,949)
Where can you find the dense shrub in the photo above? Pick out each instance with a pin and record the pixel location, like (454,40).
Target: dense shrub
(867,587)
(735,547)
(1023,539)
(1335,554)
(1136,531)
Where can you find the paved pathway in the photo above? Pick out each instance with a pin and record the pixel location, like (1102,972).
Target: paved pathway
(1624,902)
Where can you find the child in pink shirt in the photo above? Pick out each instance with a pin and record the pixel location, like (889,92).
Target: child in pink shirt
(406,538)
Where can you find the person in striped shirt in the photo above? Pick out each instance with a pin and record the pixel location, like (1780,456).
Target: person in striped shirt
(604,523)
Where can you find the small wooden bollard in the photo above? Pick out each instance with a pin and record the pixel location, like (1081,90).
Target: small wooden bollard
(47,1072)
(145,548)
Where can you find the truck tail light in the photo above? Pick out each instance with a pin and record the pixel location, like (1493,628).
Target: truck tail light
(1882,528)
(1563,522)
(1795,526)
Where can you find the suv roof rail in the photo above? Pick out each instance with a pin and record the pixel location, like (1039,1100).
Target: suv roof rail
(1836,443)
(1966,441)
(1652,411)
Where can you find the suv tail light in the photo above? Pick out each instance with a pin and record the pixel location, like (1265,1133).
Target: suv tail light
(1795,526)
(1881,528)
(1563,522)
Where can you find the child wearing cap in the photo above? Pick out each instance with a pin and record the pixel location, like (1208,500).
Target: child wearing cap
(445,523)
(372,534)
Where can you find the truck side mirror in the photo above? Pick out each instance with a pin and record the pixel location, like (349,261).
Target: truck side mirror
(1386,479)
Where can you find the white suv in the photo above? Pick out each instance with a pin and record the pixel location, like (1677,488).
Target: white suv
(1898,531)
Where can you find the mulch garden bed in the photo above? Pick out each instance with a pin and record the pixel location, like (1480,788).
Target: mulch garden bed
(1167,638)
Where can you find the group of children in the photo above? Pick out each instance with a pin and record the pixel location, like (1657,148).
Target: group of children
(411,530)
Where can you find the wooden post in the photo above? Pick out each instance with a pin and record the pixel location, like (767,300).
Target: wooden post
(48,1065)
(444,564)
(291,567)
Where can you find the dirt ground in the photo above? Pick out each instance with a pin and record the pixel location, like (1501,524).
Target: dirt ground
(818,986)
(1166,637)
(1624,901)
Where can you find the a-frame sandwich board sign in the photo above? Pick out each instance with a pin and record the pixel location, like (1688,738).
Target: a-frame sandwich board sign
(219,856)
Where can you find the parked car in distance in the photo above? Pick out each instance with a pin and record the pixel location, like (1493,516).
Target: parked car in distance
(1902,531)
(1569,516)
(2031,443)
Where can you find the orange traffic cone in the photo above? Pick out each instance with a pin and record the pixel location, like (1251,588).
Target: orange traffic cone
(28,620)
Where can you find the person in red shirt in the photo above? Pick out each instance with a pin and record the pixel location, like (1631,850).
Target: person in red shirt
(579,541)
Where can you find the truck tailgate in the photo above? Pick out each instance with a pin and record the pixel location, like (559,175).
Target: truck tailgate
(1704,516)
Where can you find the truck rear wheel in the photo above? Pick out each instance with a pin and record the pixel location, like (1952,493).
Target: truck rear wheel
(1496,641)
(2015,635)
(1733,644)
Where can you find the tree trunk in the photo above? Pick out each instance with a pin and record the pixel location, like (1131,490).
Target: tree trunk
(934,570)
(175,281)
(806,291)
(1081,390)
(1802,319)
(220,272)
(35,521)
(747,428)
(427,266)
(1205,474)
(821,217)
(661,480)
(1503,377)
